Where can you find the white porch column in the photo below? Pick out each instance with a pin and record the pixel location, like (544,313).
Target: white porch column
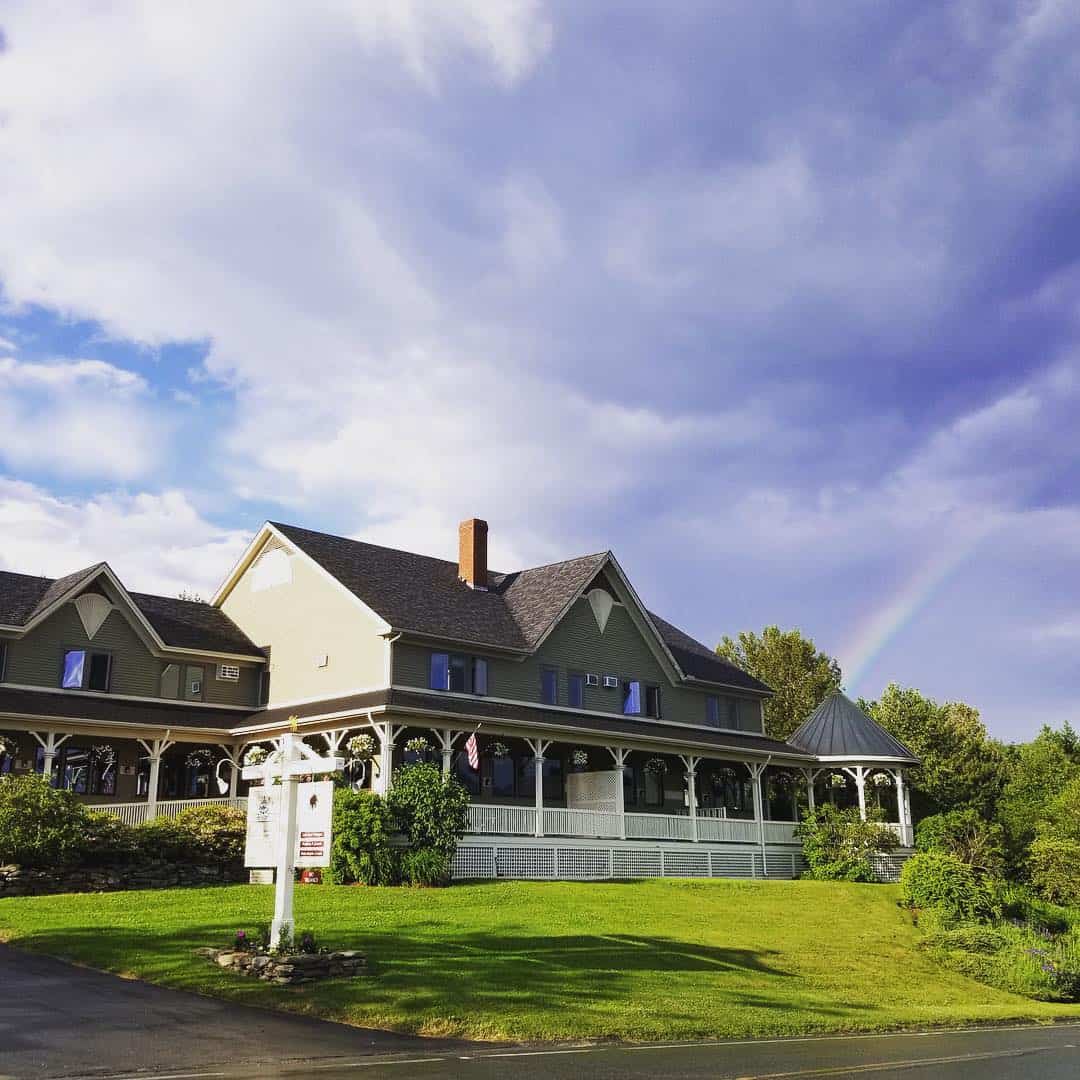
(757,771)
(811,776)
(446,738)
(619,753)
(903,809)
(155,749)
(539,747)
(690,764)
(50,744)
(388,733)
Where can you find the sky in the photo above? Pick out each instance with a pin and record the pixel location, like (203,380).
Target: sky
(779,301)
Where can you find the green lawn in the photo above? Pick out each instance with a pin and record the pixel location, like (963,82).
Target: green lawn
(518,960)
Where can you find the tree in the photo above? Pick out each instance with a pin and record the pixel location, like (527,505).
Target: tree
(1040,774)
(1066,738)
(961,765)
(801,676)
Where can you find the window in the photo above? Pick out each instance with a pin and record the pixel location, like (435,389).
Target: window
(553,778)
(193,683)
(456,682)
(86,670)
(549,685)
(3,659)
(479,675)
(721,712)
(631,697)
(228,673)
(440,671)
(86,771)
(503,777)
(652,701)
(575,690)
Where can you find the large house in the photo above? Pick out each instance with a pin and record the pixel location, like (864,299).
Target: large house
(610,743)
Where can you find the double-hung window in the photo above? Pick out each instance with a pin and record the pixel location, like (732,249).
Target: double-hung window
(631,697)
(479,675)
(722,712)
(652,702)
(549,685)
(575,690)
(85,670)
(460,674)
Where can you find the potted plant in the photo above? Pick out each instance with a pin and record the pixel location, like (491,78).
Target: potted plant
(580,759)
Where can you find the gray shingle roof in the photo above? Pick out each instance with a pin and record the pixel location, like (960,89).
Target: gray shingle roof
(182,624)
(423,595)
(839,728)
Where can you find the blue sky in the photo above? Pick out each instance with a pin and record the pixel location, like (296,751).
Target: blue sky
(781,302)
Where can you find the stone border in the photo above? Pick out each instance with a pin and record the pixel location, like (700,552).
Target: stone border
(289,970)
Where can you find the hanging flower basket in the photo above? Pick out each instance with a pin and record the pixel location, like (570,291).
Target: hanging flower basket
(256,755)
(881,779)
(103,755)
(200,759)
(8,746)
(361,747)
(656,765)
(838,781)
(419,745)
(499,749)
(580,759)
(726,775)
(782,779)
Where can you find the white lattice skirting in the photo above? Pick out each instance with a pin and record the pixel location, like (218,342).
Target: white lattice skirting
(584,861)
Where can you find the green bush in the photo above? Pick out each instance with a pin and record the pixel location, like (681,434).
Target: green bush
(427,867)
(430,809)
(936,880)
(360,849)
(1054,865)
(40,825)
(968,836)
(202,834)
(839,845)
(107,839)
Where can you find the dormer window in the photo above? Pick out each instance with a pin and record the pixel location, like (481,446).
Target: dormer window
(85,670)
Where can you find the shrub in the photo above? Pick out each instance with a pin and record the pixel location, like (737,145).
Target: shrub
(107,839)
(360,849)
(936,880)
(430,809)
(40,825)
(839,845)
(208,834)
(966,835)
(427,867)
(1054,865)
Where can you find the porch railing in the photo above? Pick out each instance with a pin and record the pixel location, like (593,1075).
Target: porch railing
(135,813)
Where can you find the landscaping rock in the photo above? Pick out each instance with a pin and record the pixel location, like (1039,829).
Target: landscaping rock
(295,970)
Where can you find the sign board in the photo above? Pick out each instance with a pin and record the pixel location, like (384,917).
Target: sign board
(314,804)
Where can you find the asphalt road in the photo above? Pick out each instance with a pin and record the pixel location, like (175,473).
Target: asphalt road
(60,1021)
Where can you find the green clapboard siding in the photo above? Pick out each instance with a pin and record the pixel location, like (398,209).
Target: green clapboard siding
(37,658)
(576,644)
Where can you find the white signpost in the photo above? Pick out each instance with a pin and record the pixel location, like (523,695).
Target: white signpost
(289,824)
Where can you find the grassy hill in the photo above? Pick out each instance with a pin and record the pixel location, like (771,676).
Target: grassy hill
(529,960)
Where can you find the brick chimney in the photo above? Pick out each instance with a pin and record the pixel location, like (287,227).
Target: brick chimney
(472,553)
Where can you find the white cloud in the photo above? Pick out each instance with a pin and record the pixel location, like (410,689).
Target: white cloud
(78,418)
(8,346)
(155,542)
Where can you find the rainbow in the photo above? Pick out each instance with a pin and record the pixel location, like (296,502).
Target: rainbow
(872,635)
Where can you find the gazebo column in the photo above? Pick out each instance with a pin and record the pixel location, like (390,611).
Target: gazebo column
(859,772)
(620,755)
(539,747)
(811,776)
(50,744)
(690,764)
(903,809)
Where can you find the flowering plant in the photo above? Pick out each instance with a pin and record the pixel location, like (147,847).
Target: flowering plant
(199,759)
(8,746)
(782,779)
(726,774)
(255,756)
(242,942)
(499,749)
(360,746)
(881,779)
(656,765)
(419,745)
(103,755)
(838,780)
(580,758)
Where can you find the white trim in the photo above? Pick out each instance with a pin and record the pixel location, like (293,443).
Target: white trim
(457,695)
(104,695)
(367,711)
(857,758)
(293,548)
(318,697)
(135,730)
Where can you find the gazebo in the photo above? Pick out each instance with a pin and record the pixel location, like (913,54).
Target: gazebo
(845,740)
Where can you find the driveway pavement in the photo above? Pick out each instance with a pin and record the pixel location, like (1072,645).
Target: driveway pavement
(60,1021)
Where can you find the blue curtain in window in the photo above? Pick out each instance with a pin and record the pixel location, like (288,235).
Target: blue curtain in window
(74,663)
(440,671)
(632,698)
(480,675)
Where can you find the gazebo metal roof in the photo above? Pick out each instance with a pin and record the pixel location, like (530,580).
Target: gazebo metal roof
(839,729)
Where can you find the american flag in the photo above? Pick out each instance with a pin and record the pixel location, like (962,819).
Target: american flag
(473,750)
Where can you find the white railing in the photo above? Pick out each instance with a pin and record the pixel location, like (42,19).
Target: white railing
(733,830)
(905,833)
(658,827)
(135,813)
(502,820)
(559,822)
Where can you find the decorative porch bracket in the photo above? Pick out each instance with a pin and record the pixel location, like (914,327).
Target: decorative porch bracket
(620,754)
(447,738)
(51,744)
(388,733)
(858,774)
(811,776)
(539,747)
(155,748)
(690,764)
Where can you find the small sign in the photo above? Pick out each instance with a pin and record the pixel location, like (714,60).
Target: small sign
(314,804)
(264,806)
(261,877)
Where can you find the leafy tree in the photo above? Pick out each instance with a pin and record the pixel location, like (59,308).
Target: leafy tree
(360,849)
(430,809)
(966,835)
(961,765)
(801,676)
(1066,738)
(839,845)
(1040,773)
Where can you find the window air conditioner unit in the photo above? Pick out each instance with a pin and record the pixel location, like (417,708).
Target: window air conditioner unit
(592,680)
(611,682)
